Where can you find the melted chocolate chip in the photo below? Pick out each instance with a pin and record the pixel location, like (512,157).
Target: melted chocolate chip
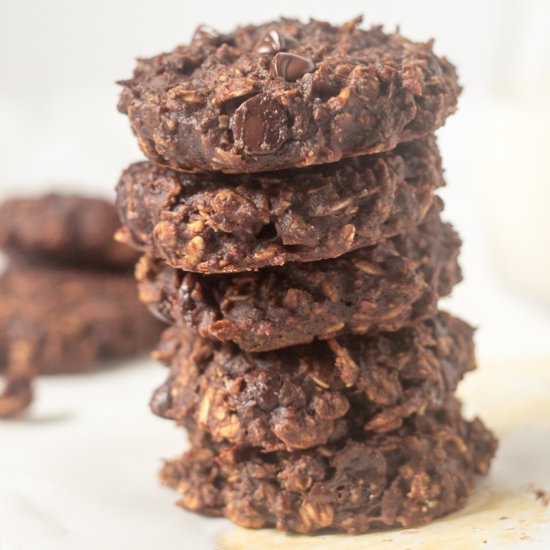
(275,41)
(260,124)
(290,66)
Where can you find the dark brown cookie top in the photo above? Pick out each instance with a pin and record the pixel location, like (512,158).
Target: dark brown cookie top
(217,223)
(67,319)
(304,396)
(286,94)
(390,285)
(405,478)
(63,229)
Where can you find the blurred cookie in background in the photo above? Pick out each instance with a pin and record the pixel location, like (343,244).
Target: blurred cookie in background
(67,298)
(63,229)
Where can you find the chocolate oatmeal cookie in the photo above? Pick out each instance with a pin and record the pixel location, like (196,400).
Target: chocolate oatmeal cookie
(388,286)
(63,229)
(304,396)
(218,223)
(67,319)
(286,94)
(408,477)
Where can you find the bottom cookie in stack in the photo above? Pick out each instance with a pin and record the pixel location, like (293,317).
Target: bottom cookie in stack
(352,433)
(403,478)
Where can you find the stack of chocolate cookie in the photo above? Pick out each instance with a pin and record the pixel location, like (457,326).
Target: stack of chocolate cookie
(67,297)
(293,240)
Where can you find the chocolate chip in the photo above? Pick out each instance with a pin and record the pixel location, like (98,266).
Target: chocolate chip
(260,124)
(291,66)
(275,41)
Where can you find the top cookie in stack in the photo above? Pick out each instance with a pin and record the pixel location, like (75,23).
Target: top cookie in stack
(285,95)
(290,200)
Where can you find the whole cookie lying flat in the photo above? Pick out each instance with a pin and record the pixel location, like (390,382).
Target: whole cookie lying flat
(215,223)
(408,477)
(67,319)
(304,396)
(386,287)
(286,94)
(63,229)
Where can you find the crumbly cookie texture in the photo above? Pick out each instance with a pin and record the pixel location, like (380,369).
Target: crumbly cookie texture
(303,396)
(384,287)
(286,94)
(404,478)
(214,224)
(66,319)
(64,230)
